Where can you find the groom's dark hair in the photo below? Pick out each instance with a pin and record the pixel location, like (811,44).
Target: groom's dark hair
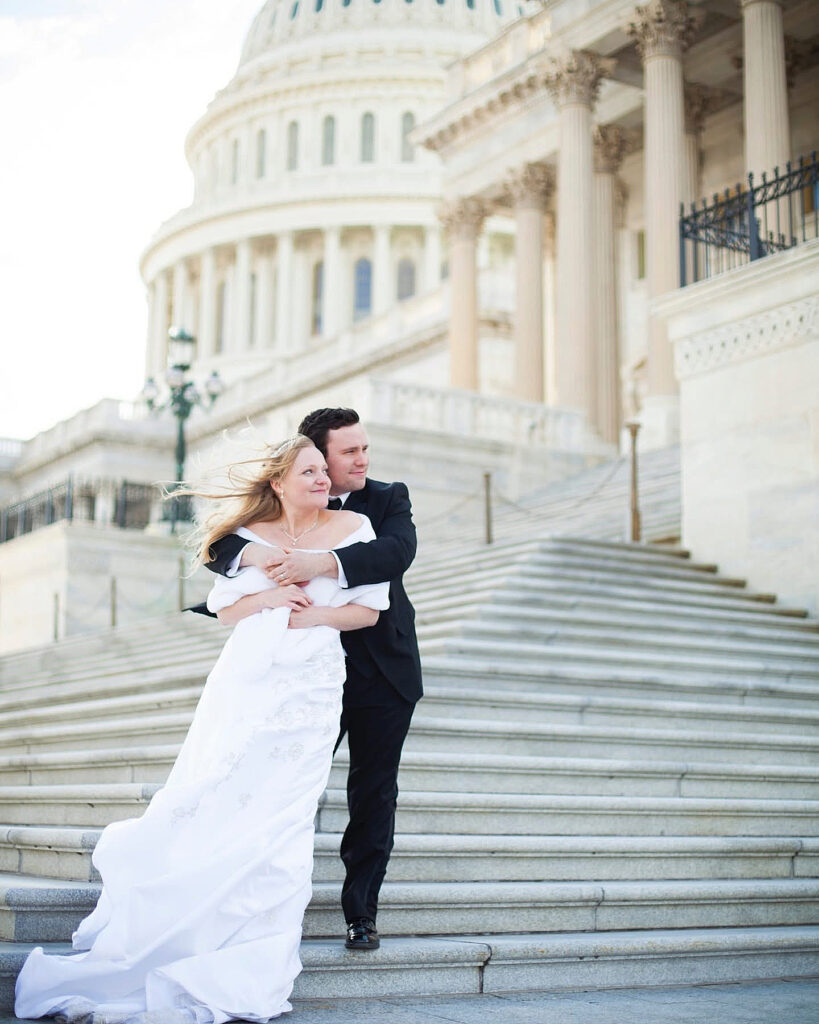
(317,424)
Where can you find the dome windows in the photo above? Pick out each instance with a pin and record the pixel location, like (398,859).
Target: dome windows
(470,4)
(368,138)
(328,141)
(234,162)
(317,298)
(498,8)
(407,148)
(294,10)
(293,146)
(319,5)
(362,288)
(261,153)
(406,279)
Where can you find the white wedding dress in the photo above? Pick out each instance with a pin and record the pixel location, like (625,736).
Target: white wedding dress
(203,896)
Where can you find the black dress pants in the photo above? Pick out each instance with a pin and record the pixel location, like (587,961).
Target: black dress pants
(375,735)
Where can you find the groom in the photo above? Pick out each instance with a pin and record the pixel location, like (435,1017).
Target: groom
(383,666)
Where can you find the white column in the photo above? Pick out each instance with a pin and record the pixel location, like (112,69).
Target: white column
(609,149)
(767,123)
(150,359)
(463,220)
(574,82)
(207,303)
(179,315)
(161,324)
(284,284)
(432,258)
(264,299)
(697,99)
(383,284)
(331,313)
(549,299)
(529,189)
(662,30)
(240,341)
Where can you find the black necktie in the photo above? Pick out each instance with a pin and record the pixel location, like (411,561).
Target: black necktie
(334,504)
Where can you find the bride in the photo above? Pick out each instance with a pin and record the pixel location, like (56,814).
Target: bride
(199,920)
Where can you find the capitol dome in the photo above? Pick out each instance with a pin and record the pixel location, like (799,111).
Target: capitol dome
(314,212)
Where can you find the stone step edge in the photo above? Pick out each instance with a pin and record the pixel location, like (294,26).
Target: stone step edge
(462,964)
(82,839)
(26,893)
(419,759)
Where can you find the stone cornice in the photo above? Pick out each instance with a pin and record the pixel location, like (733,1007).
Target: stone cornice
(664,28)
(778,328)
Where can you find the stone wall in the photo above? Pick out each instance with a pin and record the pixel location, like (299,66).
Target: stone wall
(747,357)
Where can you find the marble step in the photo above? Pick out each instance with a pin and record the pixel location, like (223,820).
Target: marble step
(549,675)
(458,702)
(431,733)
(462,964)
(502,623)
(570,652)
(42,909)
(467,772)
(458,812)
(64,852)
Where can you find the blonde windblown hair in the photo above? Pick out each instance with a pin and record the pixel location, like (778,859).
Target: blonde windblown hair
(246,498)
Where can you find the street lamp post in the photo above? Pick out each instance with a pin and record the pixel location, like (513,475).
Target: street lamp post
(183,396)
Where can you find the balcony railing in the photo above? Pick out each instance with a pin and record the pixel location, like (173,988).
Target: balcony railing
(749,222)
(119,503)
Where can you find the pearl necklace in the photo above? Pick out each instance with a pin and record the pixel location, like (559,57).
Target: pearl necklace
(297,538)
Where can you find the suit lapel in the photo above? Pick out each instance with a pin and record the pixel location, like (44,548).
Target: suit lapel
(357,502)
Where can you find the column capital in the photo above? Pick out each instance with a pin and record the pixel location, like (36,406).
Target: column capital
(463,217)
(747,3)
(530,185)
(611,144)
(575,77)
(699,101)
(663,28)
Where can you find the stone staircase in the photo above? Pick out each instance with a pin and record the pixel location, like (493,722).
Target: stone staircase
(612,780)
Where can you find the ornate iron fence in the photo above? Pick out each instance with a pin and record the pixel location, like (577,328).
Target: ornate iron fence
(749,222)
(81,501)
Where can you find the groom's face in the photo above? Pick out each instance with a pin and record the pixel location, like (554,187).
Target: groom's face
(348,457)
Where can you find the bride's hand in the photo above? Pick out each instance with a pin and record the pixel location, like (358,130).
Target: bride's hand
(292,597)
(303,618)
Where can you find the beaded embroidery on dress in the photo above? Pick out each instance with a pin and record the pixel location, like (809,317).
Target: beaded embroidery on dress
(203,897)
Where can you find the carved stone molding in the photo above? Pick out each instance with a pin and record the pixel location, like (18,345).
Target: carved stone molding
(774,329)
(463,217)
(530,185)
(664,28)
(699,101)
(611,144)
(576,77)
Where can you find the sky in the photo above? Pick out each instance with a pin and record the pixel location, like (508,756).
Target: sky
(96,98)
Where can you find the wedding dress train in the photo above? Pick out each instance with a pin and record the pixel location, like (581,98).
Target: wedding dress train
(203,896)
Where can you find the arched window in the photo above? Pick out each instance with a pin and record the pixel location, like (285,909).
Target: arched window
(328,141)
(407,148)
(234,164)
(292,146)
(498,7)
(406,279)
(470,4)
(319,5)
(362,288)
(261,153)
(345,3)
(367,138)
(317,297)
(294,10)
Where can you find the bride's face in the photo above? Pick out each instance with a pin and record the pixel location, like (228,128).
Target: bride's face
(306,484)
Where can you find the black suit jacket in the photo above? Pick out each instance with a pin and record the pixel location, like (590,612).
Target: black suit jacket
(390,647)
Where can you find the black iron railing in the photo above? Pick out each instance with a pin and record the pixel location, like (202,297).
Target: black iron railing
(80,502)
(750,221)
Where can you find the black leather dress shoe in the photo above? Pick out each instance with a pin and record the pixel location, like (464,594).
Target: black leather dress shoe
(361,934)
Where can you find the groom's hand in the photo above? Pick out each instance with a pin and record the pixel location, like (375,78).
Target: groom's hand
(301,566)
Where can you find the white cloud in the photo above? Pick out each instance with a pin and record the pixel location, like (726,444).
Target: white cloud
(97,99)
